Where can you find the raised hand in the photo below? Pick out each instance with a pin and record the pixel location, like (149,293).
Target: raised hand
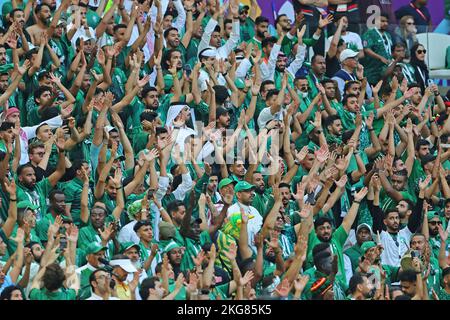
(323,22)
(300,282)
(306,211)
(248,276)
(72,233)
(105,234)
(423,184)
(322,154)
(283,288)
(342,181)
(142,82)
(10,187)
(361,194)
(101,57)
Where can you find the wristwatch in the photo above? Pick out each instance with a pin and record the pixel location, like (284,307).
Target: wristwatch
(297,162)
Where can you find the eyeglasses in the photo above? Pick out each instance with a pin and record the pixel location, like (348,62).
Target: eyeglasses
(433,223)
(421,51)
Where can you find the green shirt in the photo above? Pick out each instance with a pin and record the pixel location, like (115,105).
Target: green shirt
(378,42)
(337,241)
(37,196)
(72,190)
(61,294)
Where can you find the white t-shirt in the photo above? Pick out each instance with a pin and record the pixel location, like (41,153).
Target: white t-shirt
(353,41)
(393,251)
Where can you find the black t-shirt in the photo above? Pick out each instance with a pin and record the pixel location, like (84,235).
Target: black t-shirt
(333,66)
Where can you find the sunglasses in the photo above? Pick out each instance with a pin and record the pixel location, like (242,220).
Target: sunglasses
(421,51)
(244,12)
(410,23)
(433,223)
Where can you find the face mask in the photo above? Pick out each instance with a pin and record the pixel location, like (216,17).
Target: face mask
(302,94)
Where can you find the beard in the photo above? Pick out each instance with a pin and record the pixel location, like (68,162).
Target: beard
(260,34)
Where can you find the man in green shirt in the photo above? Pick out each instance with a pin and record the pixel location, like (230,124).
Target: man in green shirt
(377,44)
(36,193)
(323,233)
(93,253)
(363,234)
(261,31)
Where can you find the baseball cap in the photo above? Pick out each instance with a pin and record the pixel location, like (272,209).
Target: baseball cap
(367,245)
(221,111)
(243,186)
(432,215)
(225,182)
(346,54)
(129,245)
(125,264)
(26,204)
(6,67)
(243,7)
(94,247)
(364,225)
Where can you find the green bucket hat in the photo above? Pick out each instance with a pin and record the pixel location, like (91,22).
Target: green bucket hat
(168,81)
(243,186)
(6,67)
(26,204)
(367,245)
(128,245)
(94,247)
(171,245)
(134,208)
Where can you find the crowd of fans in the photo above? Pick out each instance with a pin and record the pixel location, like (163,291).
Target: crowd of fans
(193,150)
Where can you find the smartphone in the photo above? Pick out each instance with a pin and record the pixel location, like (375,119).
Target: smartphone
(415,254)
(62,243)
(204,188)
(150,193)
(430,82)
(188,70)
(65,122)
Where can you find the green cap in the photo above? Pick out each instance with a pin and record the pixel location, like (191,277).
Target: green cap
(171,245)
(367,245)
(225,182)
(6,67)
(128,245)
(134,208)
(240,84)
(168,81)
(432,214)
(94,247)
(243,186)
(92,19)
(243,7)
(26,204)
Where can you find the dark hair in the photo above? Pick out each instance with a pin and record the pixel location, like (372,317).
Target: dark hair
(119,26)
(149,116)
(217,29)
(40,91)
(384,14)
(346,135)
(53,277)
(389,211)
(173,206)
(267,41)
(284,185)
(77,164)
(7,292)
(22,167)
(93,277)
(261,19)
(53,193)
(166,33)
(278,18)
(11,14)
(321,221)
(146,90)
(421,142)
(445,272)
(407,275)
(348,96)
(330,119)
(166,58)
(226,21)
(348,84)
(315,56)
(417,234)
(416,62)
(409,202)
(354,281)
(146,285)
(160,130)
(264,84)
(271,93)
(39,7)
(397,45)
(221,93)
